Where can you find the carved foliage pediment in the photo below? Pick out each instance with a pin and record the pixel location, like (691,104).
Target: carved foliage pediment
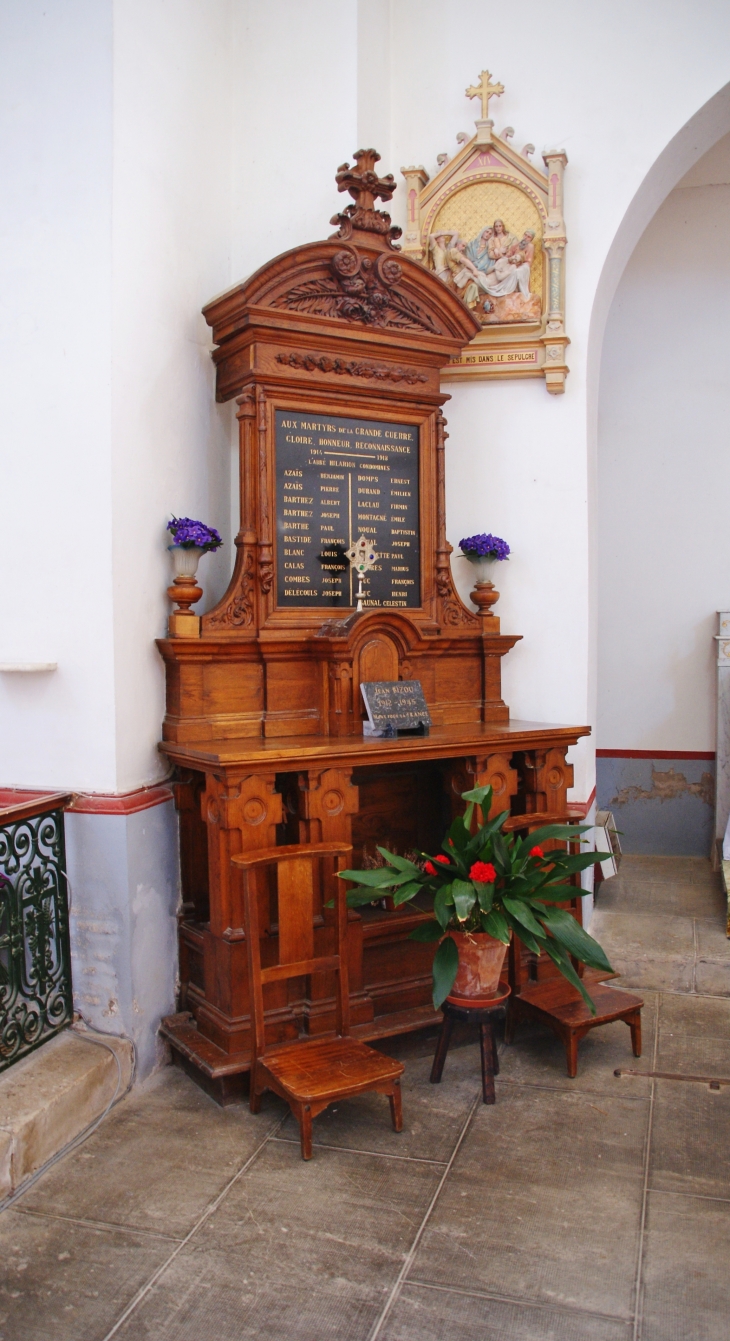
(361,288)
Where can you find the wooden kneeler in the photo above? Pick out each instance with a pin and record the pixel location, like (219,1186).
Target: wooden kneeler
(311,1072)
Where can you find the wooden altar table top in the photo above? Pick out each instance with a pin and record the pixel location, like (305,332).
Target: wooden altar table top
(444,742)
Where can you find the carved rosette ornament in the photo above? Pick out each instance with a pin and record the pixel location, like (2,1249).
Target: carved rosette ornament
(361,289)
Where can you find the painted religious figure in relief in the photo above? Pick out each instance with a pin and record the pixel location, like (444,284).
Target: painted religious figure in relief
(491,272)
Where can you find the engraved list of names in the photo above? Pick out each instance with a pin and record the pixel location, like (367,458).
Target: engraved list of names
(338,479)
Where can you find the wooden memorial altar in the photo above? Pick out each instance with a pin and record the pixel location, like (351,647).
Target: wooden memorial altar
(333,352)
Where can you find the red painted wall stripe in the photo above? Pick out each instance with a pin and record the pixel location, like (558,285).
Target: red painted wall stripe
(579,809)
(655,754)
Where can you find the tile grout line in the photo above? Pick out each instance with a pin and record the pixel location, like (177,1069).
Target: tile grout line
(638,1282)
(209,1210)
(354,1150)
(108,1226)
(689,1196)
(563,1089)
(569,1310)
(395,1292)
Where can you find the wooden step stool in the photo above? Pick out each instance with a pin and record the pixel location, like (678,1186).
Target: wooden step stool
(560,1006)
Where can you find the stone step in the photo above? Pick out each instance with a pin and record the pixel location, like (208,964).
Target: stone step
(50,1096)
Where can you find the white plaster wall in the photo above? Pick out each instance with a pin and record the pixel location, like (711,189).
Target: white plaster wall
(227,123)
(519,461)
(173,89)
(55,392)
(294,120)
(664,473)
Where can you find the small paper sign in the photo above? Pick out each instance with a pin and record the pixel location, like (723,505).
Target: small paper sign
(395,705)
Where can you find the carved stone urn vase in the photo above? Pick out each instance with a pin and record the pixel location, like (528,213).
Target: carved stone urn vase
(481,957)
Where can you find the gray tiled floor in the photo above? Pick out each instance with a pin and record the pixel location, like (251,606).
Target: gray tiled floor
(588,1210)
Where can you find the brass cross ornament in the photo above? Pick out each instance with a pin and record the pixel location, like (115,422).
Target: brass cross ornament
(485,90)
(361,557)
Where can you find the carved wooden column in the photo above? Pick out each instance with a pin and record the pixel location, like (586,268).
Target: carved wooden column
(193,845)
(241,815)
(340,715)
(327,801)
(236,612)
(546,777)
(490,770)
(266,551)
(443,548)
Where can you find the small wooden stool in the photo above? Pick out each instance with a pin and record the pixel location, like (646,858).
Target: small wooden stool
(560,1006)
(482,1014)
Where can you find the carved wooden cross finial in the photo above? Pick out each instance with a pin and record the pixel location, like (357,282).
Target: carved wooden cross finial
(365,187)
(485,90)
(363,183)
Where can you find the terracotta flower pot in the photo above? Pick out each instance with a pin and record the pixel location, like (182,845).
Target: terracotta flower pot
(480,963)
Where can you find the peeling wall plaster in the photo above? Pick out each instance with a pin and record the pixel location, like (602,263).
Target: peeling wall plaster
(661,807)
(124,882)
(667,785)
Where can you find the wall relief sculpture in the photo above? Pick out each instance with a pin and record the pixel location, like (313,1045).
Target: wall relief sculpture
(490,225)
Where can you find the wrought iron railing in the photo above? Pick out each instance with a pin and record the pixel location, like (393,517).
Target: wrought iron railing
(35,960)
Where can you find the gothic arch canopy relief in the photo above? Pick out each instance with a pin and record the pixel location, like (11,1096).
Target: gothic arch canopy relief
(490,226)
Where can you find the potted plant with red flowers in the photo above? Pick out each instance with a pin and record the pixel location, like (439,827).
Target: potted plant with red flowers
(484,886)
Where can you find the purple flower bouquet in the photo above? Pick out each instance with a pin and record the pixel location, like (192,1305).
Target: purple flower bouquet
(484,547)
(189,534)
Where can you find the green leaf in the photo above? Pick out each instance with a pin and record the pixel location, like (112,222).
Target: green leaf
(566,929)
(485,895)
(458,834)
(445,967)
(571,862)
(442,905)
(402,863)
(523,914)
(497,925)
(559,957)
(566,832)
(406,892)
(561,893)
(379,879)
(478,795)
(525,936)
(357,897)
(426,931)
(501,853)
(464,896)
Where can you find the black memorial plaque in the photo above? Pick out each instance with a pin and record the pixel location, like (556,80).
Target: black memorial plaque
(395,705)
(338,479)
